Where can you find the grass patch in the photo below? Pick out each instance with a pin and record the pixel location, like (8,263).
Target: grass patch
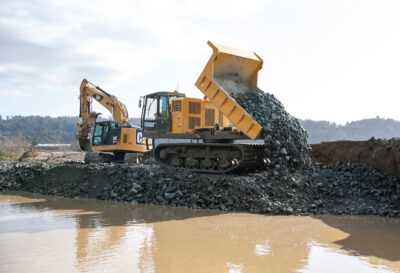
(8,157)
(9,150)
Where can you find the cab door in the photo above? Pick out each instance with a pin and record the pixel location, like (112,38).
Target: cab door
(163,120)
(149,113)
(156,114)
(115,133)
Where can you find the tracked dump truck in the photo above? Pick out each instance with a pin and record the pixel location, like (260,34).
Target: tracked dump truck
(114,140)
(214,124)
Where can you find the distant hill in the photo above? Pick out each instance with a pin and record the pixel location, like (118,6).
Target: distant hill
(43,129)
(39,129)
(364,129)
(63,129)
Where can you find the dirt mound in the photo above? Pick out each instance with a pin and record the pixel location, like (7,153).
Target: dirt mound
(383,154)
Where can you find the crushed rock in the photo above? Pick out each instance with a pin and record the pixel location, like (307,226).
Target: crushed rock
(339,189)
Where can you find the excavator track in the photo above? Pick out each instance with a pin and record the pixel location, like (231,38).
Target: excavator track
(128,158)
(211,157)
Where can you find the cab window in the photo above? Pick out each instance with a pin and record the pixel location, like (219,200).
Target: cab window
(98,133)
(151,109)
(98,130)
(163,108)
(114,125)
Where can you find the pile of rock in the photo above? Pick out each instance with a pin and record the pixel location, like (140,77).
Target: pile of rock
(339,189)
(286,139)
(352,188)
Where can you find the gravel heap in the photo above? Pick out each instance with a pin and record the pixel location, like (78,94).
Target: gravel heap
(284,136)
(339,189)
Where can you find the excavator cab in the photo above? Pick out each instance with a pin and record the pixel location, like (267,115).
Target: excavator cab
(156,112)
(106,133)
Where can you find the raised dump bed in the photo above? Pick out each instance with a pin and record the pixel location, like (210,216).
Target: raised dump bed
(230,71)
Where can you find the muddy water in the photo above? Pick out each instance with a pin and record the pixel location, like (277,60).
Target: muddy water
(44,234)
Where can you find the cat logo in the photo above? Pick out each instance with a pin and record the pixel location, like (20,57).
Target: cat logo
(139,138)
(97,97)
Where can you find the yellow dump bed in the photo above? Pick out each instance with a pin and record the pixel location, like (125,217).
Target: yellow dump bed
(230,72)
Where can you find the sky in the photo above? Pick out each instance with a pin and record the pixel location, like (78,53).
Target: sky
(336,60)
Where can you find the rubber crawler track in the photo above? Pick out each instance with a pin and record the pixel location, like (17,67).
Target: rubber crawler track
(252,156)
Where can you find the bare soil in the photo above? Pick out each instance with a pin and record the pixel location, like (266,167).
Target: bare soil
(51,156)
(382,154)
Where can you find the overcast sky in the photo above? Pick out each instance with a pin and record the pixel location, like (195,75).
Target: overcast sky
(333,60)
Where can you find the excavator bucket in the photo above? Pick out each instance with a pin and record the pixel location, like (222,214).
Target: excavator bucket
(92,118)
(82,137)
(230,72)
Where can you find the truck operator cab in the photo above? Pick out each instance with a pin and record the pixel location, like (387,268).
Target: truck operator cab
(156,114)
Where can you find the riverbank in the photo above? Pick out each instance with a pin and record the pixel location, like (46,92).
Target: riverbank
(347,188)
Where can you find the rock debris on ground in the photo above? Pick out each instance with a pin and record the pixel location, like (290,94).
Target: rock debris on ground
(283,134)
(339,189)
(285,138)
(291,184)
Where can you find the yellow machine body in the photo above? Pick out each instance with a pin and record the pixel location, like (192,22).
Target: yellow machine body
(218,120)
(130,141)
(115,136)
(228,72)
(189,114)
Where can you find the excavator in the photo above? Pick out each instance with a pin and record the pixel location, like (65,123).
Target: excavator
(112,141)
(213,126)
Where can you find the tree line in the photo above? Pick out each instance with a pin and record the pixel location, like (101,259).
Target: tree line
(364,129)
(38,129)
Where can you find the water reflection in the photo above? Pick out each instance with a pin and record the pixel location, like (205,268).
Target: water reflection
(329,260)
(67,235)
(365,233)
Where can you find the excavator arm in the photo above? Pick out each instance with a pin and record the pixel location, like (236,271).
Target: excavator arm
(88,92)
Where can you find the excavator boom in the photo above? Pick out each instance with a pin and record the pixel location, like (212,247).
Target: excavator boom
(88,92)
